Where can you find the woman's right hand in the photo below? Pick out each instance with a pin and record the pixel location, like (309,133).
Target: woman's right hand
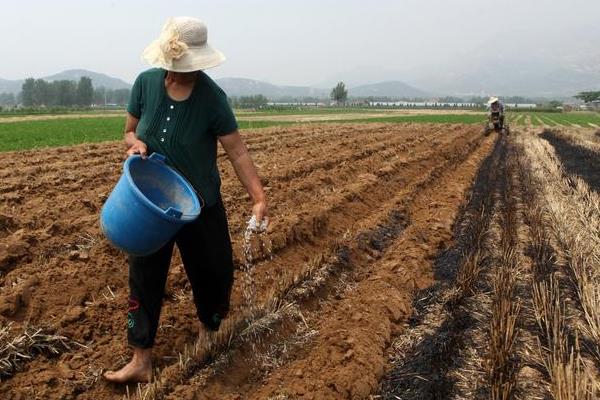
(138,147)
(261,214)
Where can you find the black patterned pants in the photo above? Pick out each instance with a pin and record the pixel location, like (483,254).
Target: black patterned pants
(205,248)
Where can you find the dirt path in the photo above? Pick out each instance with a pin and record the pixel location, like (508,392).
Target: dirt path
(61,116)
(350,116)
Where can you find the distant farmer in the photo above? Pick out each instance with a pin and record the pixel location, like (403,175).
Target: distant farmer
(496,107)
(177,110)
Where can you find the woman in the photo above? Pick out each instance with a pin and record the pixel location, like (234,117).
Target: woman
(178,111)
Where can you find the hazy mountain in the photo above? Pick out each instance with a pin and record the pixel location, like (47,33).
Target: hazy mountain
(364,75)
(505,75)
(240,86)
(98,80)
(386,89)
(520,63)
(247,87)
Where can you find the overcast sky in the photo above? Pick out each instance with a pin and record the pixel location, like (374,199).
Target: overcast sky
(300,43)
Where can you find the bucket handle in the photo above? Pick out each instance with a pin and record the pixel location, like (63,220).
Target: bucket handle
(157,157)
(173,212)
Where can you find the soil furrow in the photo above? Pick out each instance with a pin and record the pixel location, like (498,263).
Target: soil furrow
(425,356)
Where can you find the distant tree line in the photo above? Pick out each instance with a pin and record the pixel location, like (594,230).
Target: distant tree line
(304,99)
(103,96)
(64,93)
(260,101)
(505,99)
(38,92)
(481,100)
(257,101)
(588,97)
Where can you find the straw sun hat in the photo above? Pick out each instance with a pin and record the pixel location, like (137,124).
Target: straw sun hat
(492,99)
(182,47)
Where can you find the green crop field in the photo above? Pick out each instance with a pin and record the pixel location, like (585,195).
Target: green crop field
(558,119)
(58,132)
(535,120)
(24,135)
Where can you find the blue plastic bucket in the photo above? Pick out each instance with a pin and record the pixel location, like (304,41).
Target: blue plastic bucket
(147,207)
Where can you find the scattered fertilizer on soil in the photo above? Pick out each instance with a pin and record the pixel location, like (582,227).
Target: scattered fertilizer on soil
(253,229)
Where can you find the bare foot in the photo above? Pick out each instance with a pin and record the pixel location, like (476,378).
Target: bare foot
(139,369)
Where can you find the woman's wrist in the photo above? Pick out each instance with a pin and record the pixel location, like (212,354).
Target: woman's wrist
(130,138)
(259,197)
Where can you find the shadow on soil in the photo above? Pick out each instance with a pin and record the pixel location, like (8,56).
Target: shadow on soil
(576,160)
(424,373)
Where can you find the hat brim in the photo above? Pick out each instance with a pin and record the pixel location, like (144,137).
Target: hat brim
(196,58)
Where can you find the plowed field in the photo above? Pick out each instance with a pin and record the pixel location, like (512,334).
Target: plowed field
(365,219)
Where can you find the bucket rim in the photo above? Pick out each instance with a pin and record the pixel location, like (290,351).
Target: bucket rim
(157,210)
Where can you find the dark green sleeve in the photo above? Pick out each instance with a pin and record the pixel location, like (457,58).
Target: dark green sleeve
(223,121)
(134,107)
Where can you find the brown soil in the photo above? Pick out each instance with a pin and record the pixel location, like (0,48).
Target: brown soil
(359,213)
